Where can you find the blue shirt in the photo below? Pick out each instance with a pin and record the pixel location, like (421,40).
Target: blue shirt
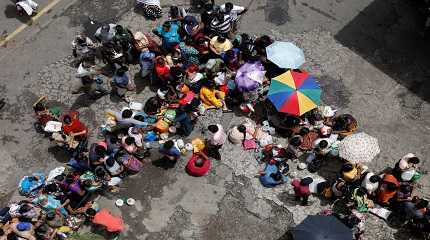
(172,152)
(267,181)
(121,81)
(171,37)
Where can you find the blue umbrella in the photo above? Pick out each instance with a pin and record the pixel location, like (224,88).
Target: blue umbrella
(319,227)
(285,55)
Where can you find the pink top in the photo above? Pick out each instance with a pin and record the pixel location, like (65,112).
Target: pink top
(219,137)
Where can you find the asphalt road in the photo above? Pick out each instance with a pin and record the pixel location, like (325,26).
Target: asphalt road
(368,56)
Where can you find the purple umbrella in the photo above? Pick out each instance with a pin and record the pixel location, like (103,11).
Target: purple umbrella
(249,75)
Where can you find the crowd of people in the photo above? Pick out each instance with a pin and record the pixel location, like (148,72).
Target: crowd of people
(193,69)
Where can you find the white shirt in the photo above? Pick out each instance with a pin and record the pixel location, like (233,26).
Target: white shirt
(234,12)
(115,169)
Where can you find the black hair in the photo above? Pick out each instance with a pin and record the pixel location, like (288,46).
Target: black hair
(121,71)
(209,83)
(296,141)
(291,121)
(24,208)
(347,167)
(375,179)
(322,144)
(277,176)
(59,178)
(126,113)
(208,6)
(213,128)
(414,160)
(39,107)
(221,39)
(166,25)
(100,172)
(100,150)
(422,204)
(69,179)
(174,11)
(304,131)
(50,215)
(129,140)
(91,212)
(43,228)
(50,188)
(87,183)
(391,186)
(1,232)
(168,144)
(199,163)
(67,119)
(188,41)
(229,6)
(110,162)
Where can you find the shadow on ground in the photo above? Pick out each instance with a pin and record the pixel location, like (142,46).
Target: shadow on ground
(388,34)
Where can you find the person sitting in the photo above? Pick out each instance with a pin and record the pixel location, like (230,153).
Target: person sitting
(371,183)
(129,144)
(301,189)
(104,218)
(212,98)
(272,176)
(344,125)
(162,70)
(197,166)
(351,172)
(294,146)
(125,119)
(97,154)
(74,128)
(219,45)
(339,188)
(406,163)
(170,151)
(238,134)
(416,209)
(387,190)
(113,167)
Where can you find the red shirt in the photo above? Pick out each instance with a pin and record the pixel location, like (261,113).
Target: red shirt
(75,127)
(195,171)
(300,190)
(162,71)
(110,222)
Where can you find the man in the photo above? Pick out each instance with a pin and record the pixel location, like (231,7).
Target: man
(221,24)
(216,140)
(74,128)
(105,33)
(84,79)
(169,34)
(234,11)
(170,151)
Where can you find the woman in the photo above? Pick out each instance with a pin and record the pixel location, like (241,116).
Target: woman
(238,134)
(212,98)
(188,52)
(162,69)
(344,125)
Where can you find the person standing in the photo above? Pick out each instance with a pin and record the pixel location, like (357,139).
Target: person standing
(301,189)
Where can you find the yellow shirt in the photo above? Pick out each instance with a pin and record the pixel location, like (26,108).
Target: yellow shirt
(220,47)
(198,145)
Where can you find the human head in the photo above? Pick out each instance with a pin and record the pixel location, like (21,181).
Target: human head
(174,11)
(228,7)
(199,163)
(208,7)
(168,144)
(210,83)
(375,179)
(127,113)
(322,144)
(414,160)
(221,39)
(161,61)
(24,208)
(129,140)
(422,204)
(277,176)
(105,28)
(91,212)
(100,172)
(110,162)
(166,26)
(391,186)
(121,71)
(188,41)
(67,119)
(50,188)
(100,151)
(69,179)
(405,188)
(347,167)
(296,141)
(306,181)
(241,128)
(213,128)
(304,131)
(50,215)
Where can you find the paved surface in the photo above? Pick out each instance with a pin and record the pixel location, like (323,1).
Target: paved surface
(367,54)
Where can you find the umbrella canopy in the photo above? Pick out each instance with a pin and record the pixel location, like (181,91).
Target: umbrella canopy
(359,148)
(294,92)
(285,55)
(322,228)
(249,75)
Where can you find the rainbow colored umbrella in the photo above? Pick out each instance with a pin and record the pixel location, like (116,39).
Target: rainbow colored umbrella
(294,92)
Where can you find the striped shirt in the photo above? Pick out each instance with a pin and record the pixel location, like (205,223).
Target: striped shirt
(222,26)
